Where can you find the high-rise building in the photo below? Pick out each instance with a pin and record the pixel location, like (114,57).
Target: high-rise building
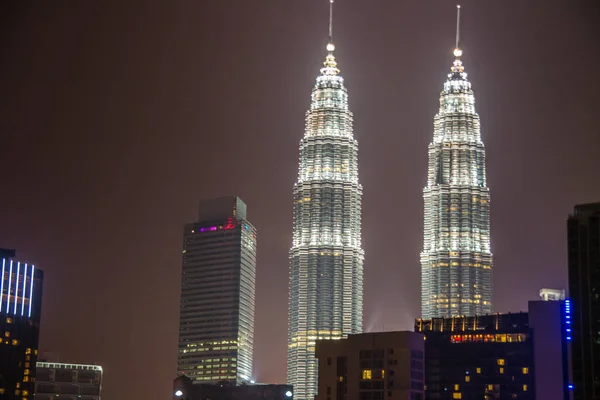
(326,258)
(584,287)
(20,310)
(456,261)
(216,330)
(374,366)
(499,356)
(67,381)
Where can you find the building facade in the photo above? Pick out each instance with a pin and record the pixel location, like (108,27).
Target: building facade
(456,261)
(68,381)
(584,285)
(372,366)
(184,389)
(216,333)
(20,311)
(326,258)
(552,294)
(499,356)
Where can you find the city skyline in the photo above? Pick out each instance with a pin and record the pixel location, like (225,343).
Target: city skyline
(111,137)
(326,257)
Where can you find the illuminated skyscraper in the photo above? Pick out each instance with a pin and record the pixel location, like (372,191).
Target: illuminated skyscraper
(20,311)
(216,322)
(456,262)
(326,258)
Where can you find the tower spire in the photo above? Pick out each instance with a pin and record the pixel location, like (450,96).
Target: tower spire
(457,50)
(457,66)
(330,46)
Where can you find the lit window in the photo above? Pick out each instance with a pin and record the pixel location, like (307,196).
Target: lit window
(456,395)
(525,370)
(25,379)
(501,370)
(26,365)
(366,374)
(7,334)
(9,320)
(18,385)
(27,351)
(1,390)
(467,378)
(524,388)
(500,361)
(382,374)
(456,387)
(478,370)
(25,392)
(15,342)
(341,379)
(490,387)
(26,372)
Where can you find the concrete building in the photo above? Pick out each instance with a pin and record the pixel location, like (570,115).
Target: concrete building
(216,331)
(499,356)
(185,389)
(67,381)
(371,366)
(583,246)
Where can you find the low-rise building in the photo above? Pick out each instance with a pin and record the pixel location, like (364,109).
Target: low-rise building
(185,389)
(68,381)
(371,366)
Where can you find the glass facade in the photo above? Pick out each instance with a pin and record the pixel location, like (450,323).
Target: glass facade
(456,261)
(216,333)
(326,258)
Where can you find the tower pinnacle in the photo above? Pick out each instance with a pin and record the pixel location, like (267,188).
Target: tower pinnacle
(457,66)
(330,46)
(457,50)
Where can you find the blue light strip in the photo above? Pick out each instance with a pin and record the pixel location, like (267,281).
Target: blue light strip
(568,334)
(568,319)
(17,287)
(2,282)
(31,289)
(23,290)
(8,292)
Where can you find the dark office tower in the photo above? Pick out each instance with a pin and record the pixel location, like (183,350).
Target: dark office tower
(326,257)
(584,290)
(216,330)
(20,309)
(456,261)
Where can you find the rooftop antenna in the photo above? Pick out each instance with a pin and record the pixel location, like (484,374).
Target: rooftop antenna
(330,46)
(457,50)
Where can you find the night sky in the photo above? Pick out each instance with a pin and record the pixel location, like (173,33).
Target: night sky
(117,117)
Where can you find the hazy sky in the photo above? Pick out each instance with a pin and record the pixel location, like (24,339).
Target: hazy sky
(117,117)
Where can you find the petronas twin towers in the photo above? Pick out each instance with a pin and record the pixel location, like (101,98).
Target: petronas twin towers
(326,258)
